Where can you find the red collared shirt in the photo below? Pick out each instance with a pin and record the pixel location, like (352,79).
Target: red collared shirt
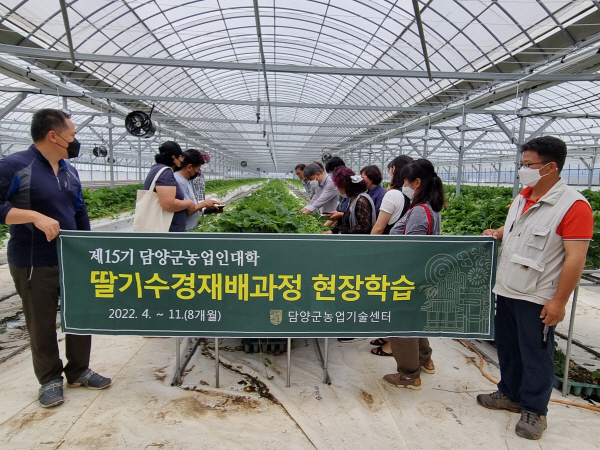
(578,223)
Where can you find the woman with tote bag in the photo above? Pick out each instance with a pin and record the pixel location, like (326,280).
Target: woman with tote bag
(160,206)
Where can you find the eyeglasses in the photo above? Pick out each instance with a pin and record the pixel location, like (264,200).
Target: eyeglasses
(528,165)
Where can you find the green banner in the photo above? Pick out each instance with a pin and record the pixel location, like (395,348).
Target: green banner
(276,285)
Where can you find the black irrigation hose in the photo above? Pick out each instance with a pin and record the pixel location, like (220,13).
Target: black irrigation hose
(579,344)
(8,296)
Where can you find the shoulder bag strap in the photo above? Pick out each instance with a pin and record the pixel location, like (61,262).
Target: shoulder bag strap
(153,185)
(428,218)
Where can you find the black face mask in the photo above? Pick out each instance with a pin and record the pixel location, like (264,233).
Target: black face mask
(72,147)
(193,176)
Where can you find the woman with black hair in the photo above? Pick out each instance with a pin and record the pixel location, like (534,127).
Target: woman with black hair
(394,204)
(426,193)
(184,175)
(171,197)
(359,217)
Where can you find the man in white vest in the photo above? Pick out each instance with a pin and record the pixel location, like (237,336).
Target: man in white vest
(544,245)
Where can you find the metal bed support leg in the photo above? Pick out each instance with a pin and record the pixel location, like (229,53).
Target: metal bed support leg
(565,387)
(325,359)
(177,376)
(289,361)
(216,362)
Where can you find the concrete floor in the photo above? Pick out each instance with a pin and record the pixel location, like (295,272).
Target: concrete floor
(358,410)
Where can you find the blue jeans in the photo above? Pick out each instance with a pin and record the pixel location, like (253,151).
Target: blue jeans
(526,360)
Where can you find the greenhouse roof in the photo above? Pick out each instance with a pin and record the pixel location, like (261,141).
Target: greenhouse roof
(333,76)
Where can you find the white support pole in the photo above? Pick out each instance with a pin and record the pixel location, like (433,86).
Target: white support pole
(522,125)
(140,159)
(499,173)
(461,154)
(110,152)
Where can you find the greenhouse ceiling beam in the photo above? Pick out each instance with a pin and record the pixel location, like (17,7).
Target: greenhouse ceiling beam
(510,134)
(286,133)
(12,105)
(541,129)
(199,138)
(38,53)
(120,138)
(84,124)
(65,16)
(585,61)
(278,141)
(68,93)
(266,81)
(42,83)
(421,36)
(475,141)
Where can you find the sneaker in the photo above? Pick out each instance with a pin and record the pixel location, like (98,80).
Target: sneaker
(531,425)
(347,339)
(92,380)
(428,367)
(400,381)
(497,400)
(51,393)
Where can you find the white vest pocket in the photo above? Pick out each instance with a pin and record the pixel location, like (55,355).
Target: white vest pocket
(522,274)
(538,237)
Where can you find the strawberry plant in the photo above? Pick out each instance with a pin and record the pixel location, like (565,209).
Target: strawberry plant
(271,209)
(482,207)
(221,187)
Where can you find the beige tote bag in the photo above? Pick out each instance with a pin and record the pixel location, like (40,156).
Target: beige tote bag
(149,215)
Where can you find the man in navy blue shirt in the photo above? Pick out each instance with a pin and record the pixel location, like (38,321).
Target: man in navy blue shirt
(40,194)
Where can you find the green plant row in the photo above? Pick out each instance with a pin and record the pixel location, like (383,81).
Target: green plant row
(221,187)
(296,182)
(106,201)
(476,209)
(481,207)
(271,209)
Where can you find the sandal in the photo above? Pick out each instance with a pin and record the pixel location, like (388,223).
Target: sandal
(379,352)
(378,341)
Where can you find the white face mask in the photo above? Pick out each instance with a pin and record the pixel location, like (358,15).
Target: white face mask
(530,177)
(314,183)
(408,191)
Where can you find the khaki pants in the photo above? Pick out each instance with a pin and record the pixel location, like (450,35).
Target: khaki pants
(410,354)
(39,289)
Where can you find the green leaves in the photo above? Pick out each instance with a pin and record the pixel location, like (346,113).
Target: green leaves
(271,209)
(106,201)
(221,187)
(481,207)
(478,208)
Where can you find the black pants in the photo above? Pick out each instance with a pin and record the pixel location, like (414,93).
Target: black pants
(38,287)
(526,360)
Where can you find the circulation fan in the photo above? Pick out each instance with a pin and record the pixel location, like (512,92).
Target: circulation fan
(326,157)
(108,160)
(258,169)
(139,124)
(244,164)
(100,151)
